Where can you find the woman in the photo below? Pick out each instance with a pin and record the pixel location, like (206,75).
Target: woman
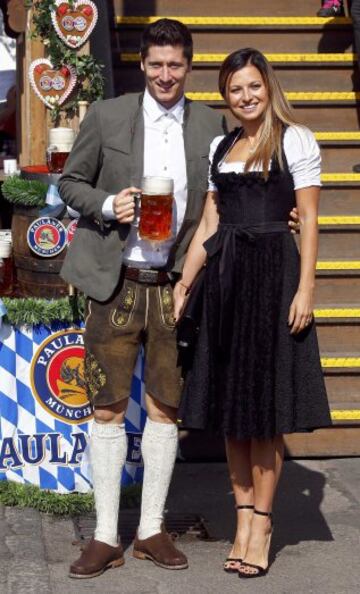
(256,372)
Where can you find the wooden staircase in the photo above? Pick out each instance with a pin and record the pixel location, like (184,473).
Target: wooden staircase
(314,61)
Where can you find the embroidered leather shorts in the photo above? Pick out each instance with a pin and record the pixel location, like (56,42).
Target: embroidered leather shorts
(137,314)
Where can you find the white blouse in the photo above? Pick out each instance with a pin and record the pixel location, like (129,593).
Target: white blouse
(302,154)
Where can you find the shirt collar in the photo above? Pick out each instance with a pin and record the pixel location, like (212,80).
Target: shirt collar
(155,110)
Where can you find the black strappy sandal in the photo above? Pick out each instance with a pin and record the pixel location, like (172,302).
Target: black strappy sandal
(235,559)
(260,571)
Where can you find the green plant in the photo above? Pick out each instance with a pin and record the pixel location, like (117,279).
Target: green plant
(24,192)
(33,311)
(90,84)
(72,504)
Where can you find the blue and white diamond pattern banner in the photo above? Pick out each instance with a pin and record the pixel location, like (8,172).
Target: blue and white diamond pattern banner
(45,417)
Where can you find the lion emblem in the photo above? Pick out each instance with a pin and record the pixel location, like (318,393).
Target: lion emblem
(71,385)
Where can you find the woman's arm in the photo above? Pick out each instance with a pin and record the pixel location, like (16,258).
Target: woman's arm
(196,256)
(301,309)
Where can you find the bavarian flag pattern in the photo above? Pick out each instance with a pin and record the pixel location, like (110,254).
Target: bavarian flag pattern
(46,417)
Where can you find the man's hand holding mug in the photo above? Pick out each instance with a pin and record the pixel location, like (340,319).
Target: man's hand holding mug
(124,205)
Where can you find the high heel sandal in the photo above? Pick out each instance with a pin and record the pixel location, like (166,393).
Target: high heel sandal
(260,571)
(235,559)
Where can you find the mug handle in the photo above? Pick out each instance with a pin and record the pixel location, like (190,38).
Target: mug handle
(137,198)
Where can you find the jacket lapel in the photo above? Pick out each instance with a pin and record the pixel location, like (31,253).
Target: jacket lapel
(137,146)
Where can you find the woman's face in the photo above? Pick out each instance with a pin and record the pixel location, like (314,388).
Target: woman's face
(247,94)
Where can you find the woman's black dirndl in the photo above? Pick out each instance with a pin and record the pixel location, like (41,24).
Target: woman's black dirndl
(249,377)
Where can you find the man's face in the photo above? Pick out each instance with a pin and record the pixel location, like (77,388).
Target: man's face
(165,68)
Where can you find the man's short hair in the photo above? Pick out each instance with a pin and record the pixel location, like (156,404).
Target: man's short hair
(167,32)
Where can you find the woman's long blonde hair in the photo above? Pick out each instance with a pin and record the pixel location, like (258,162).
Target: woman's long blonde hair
(277,114)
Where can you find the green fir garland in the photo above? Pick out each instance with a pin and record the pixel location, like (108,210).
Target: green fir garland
(24,192)
(34,311)
(90,82)
(72,504)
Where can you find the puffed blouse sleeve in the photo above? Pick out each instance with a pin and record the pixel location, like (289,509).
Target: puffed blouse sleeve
(213,146)
(303,156)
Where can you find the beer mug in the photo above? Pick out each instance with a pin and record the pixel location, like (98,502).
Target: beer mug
(156,207)
(60,145)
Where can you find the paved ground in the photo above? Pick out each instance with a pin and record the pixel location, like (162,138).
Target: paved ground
(315,546)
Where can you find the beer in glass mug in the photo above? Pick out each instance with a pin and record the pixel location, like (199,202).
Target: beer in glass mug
(156,208)
(61,141)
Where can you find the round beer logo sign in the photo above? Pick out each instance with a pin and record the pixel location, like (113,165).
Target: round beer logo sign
(57,377)
(46,237)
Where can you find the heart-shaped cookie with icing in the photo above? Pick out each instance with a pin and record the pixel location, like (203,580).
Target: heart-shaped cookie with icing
(52,85)
(74,23)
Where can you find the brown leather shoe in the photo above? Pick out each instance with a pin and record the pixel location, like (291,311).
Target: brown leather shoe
(161,550)
(95,558)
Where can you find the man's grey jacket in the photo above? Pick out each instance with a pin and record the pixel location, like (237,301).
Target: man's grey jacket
(106,158)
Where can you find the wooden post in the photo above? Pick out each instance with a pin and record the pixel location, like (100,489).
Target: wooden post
(33,117)
(83,106)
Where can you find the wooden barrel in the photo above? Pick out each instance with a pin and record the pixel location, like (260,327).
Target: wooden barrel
(36,276)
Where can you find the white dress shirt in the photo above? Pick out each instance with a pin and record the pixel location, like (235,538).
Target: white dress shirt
(302,154)
(164,155)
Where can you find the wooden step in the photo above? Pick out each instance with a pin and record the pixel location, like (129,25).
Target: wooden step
(338,339)
(338,138)
(337,441)
(211,8)
(296,60)
(338,327)
(268,40)
(311,109)
(338,331)
(343,390)
(341,201)
(240,22)
(332,287)
(349,363)
(310,80)
(339,245)
(347,415)
(316,79)
(315,71)
(337,314)
(340,179)
(341,157)
(296,97)
(339,223)
(315,115)
(338,267)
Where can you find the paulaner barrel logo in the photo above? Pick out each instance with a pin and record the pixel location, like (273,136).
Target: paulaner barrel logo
(57,377)
(46,237)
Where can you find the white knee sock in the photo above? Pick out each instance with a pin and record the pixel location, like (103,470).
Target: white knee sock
(159,447)
(108,448)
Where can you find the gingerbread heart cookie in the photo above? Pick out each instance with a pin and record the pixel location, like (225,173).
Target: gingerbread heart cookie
(53,86)
(74,23)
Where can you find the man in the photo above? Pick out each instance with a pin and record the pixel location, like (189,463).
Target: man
(129,283)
